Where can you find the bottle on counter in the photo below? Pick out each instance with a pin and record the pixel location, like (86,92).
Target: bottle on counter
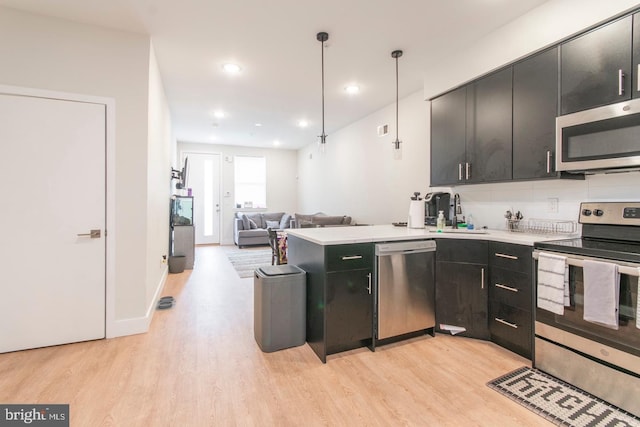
(440,222)
(470,222)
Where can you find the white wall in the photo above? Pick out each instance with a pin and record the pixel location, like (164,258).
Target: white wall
(54,54)
(281,180)
(160,146)
(358,177)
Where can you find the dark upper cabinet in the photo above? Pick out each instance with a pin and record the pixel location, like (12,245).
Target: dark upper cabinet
(535,107)
(448,136)
(489,123)
(596,67)
(636,56)
(471,132)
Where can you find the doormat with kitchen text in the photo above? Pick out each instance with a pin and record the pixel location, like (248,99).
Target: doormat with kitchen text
(559,402)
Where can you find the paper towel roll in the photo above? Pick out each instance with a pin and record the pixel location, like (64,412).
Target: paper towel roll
(416,214)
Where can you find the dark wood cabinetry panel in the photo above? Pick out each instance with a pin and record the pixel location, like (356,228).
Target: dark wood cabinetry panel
(511,297)
(635,59)
(596,67)
(461,286)
(448,136)
(349,315)
(535,107)
(339,298)
(489,124)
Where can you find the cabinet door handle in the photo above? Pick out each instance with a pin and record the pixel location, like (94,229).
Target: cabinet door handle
(505,256)
(620,82)
(482,278)
(460,169)
(468,170)
(548,161)
(350,257)
(638,78)
(504,322)
(508,288)
(369,286)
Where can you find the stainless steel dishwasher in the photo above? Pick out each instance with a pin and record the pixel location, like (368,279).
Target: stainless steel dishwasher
(405,288)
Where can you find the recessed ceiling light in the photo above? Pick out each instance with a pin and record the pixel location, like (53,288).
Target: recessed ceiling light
(212,138)
(258,125)
(303,123)
(231,68)
(352,89)
(276,143)
(219,114)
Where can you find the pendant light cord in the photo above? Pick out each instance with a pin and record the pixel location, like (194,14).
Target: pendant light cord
(322,37)
(397,54)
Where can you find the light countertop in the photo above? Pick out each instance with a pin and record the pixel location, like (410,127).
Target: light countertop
(388,233)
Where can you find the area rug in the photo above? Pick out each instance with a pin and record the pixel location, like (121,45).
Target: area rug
(246,260)
(559,402)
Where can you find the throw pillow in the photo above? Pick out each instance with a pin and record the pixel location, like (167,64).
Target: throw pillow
(245,222)
(285,221)
(252,224)
(273,224)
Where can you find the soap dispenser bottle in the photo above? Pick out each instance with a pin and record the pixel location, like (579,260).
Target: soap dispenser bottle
(440,222)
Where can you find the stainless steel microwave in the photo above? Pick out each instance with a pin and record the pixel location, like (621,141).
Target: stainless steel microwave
(599,139)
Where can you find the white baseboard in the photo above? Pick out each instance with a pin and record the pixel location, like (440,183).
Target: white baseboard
(138,325)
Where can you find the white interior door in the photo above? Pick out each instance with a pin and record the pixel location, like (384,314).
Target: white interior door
(53,191)
(204,181)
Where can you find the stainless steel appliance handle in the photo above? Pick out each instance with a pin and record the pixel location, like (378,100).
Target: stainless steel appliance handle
(460,164)
(468,170)
(369,286)
(548,161)
(506,256)
(482,278)
(508,288)
(350,257)
(627,268)
(620,82)
(504,322)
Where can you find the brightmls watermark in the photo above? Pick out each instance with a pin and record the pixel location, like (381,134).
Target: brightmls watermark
(34,415)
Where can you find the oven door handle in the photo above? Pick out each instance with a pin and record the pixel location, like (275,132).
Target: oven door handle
(627,268)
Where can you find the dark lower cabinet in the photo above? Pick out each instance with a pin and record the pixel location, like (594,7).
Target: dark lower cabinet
(349,311)
(461,287)
(339,294)
(511,297)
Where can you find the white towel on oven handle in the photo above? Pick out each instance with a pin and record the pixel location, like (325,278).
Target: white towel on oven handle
(553,282)
(601,293)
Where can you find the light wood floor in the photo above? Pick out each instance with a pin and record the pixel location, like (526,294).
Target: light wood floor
(199,365)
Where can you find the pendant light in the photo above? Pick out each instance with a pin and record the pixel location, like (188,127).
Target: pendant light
(322,37)
(396,54)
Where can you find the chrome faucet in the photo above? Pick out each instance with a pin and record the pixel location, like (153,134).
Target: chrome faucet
(457,209)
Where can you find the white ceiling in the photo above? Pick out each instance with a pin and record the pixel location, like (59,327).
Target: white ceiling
(275,43)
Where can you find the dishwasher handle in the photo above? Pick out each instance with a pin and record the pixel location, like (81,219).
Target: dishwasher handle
(407,248)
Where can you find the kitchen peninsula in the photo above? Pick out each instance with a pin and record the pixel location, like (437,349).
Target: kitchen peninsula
(341,283)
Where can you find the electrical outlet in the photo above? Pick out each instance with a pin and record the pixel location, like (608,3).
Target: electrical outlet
(552,205)
(164,259)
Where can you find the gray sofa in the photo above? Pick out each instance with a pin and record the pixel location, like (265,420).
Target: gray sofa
(319,220)
(250,228)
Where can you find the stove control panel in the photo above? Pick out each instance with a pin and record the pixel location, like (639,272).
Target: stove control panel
(610,213)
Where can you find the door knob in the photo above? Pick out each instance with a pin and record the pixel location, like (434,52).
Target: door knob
(94,234)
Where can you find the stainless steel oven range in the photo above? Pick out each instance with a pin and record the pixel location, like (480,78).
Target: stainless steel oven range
(603,360)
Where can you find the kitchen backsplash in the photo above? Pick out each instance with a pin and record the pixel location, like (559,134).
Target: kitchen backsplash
(489,202)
